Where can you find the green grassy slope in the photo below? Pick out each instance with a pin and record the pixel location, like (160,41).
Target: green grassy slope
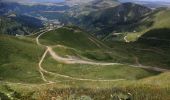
(153,88)
(77,43)
(96,72)
(19,59)
(156,24)
(68,37)
(116,18)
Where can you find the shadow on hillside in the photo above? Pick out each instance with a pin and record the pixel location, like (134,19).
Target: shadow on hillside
(156,37)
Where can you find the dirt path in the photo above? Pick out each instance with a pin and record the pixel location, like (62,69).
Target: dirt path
(137,61)
(58,58)
(125,38)
(74,60)
(78,79)
(37,38)
(41,70)
(79,61)
(65,60)
(25,84)
(40,67)
(151,68)
(35,33)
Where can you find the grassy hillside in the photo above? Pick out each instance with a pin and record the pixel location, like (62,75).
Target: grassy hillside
(69,65)
(20,77)
(73,42)
(77,43)
(111,19)
(153,88)
(88,7)
(18,59)
(69,37)
(155,25)
(96,72)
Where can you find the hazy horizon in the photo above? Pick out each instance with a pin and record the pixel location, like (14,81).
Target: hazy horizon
(40,1)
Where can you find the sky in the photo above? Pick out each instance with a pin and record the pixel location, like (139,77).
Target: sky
(33,0)
(157,0)
(72,0)
(47,0)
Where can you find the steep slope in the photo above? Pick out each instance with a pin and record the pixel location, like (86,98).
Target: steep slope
(19,24)
(150,3)
(154,26)
(68,36)
(73,42)
(21,56)
(19,8)
(88,7)
(110,19)
(18,59)
(38,10)
(156,37)
(22,60)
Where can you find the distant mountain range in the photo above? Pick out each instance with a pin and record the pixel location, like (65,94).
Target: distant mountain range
(101,17)
(150,3)
(110,19)
(19,24)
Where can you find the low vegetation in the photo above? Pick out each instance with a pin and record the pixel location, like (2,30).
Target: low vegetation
(18,59)
(21,76)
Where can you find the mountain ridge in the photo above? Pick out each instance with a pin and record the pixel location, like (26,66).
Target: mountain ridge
(88,50)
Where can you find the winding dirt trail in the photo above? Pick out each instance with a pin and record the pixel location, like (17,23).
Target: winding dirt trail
(58,58)
(35,33)
(78,79)
(74,60)
(40,67)
(125,38)
(79,61)
(37,38)
(67,61)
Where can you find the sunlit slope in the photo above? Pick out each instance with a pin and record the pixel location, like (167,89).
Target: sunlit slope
(73,42)
(94,72)
(156,24)
(19,57)
(94,81)
(70,37)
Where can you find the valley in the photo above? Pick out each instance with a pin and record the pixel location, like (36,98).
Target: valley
(91,50)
